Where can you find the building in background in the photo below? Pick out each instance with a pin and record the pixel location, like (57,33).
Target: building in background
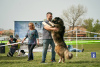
(79,33)
(0,32)
(6,32)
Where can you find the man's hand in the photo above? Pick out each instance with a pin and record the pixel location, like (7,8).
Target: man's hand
(67,46)
(55,29)
(49,28)
(22,41)
(13,44)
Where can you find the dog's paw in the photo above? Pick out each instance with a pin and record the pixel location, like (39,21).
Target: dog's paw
(59,61)
(63,62)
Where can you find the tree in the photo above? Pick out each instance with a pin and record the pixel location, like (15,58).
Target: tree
(88,24)
(96,27)
(91,26)
(72,15)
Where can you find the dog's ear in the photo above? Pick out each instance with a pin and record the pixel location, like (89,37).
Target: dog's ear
(60,21)
(63,30)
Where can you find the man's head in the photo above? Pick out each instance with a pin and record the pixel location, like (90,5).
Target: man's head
(11,37)
(49,16)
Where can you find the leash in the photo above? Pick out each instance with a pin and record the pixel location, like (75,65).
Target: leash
(10,44)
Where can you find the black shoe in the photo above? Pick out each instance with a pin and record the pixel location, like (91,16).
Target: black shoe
(42,61)
(29,60)
(9,54)
(53,60)
(82,50)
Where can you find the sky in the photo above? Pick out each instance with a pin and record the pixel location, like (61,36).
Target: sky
(35,10)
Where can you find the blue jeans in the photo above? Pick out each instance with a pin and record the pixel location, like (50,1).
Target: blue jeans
(46,43)
(75,50)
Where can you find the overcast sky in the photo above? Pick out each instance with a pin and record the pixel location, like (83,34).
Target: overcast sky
(35,10)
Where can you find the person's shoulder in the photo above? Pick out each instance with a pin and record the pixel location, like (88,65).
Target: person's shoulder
(35,30)
(9,40)
(14,39)
(46,21)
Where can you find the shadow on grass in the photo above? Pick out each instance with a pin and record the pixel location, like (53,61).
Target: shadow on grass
(36,61)
(85,62)
(12,58)
(12,62)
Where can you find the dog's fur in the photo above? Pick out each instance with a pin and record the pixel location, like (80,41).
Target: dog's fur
(60,46)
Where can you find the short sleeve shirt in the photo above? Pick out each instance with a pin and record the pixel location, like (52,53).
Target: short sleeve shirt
(14,41)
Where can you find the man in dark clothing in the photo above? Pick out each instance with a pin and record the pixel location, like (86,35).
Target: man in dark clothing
(13,47)
(47,38)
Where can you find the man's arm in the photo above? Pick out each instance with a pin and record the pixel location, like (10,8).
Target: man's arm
(48,27)
(8,43)
(67,46)
(18,40)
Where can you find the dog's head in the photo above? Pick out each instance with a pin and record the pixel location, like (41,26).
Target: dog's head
(22,51)
(68,55)
(58,21)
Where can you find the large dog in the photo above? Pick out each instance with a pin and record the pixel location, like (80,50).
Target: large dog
(60,46)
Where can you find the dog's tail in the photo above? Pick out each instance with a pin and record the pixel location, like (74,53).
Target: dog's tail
(68,55)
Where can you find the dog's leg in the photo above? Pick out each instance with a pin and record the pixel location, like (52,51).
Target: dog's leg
(60,60)
(63,60)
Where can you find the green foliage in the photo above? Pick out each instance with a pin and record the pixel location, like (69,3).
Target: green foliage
(88,24)
(91,26)
(96,27)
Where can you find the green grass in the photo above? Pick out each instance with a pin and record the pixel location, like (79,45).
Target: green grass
(3,41)
(82,42)
(74,42)
(83,60)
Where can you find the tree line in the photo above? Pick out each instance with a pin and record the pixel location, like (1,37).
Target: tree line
(74,16)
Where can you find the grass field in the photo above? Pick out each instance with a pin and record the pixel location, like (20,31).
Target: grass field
(74,42)
(83,60)
(3,42)
(83,42)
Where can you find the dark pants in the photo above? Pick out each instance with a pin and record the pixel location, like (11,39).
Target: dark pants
(13,49)
(30,48)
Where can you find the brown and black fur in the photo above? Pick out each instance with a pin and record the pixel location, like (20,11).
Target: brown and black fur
(60,46)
